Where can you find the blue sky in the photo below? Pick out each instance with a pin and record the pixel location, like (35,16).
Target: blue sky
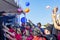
(38,11)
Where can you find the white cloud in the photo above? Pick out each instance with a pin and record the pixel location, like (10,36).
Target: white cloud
(47,6)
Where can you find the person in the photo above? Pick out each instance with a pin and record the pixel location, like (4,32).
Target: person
(18,35)
(28,32)
(41,29)
(11,33)
(22,27)
(1,27)
(56,21)
(35,38)
(48,34)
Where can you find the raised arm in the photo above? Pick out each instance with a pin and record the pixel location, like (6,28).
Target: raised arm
(9,37)
(13,34)
(54,18)
(33,25)
(5,26)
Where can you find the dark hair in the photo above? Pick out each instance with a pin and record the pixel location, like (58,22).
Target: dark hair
(39,23)
(1,12)
(9,26)
(49,28)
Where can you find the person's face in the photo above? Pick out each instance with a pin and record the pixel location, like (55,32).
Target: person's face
(39,25)
(47,32)
(28,27)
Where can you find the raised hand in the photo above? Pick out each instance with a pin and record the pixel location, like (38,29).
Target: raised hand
(54,13)
(55,10)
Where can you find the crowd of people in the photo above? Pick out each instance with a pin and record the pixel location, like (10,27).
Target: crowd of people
(30,31)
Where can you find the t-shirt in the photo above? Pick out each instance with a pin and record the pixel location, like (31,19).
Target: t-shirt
(42,30)
(12,31)
(58,37)
(18,36)
(42,38)
(36,38)
(29,37)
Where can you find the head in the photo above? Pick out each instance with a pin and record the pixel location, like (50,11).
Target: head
(2,13)
(39,25)
(47,32)
(28,26)
(23,24)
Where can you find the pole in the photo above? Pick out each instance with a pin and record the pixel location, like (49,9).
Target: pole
(25,18)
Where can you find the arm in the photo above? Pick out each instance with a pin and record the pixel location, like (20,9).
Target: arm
(5,26)
(55,25)
(54,18)
(9,32)
(33,25)
(9,37)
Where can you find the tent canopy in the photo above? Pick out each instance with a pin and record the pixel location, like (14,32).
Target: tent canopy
(8,6)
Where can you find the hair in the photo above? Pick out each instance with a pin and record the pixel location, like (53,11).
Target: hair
(9,26)
(39,23)
(2,13)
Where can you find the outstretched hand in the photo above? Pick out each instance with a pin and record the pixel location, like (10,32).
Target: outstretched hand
(54,13)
